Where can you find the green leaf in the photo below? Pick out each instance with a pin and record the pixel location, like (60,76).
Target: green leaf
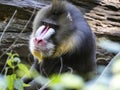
(72,81)
(10,63)
(18,84)
(15,55)
(66,80)
(10,81)
(3,85)
(9,54)
(26,85)
(98,86)
(116,67)
(6,70)
(24,69)
(16,59)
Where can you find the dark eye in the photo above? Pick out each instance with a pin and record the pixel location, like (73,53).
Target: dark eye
(54,26)
(55,13)
(50,24)
(43,23)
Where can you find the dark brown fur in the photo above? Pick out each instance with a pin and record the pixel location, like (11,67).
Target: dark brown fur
(74,42)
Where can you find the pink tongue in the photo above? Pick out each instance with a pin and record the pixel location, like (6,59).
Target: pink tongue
(44,31)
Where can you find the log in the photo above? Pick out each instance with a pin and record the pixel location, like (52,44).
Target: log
(102,16)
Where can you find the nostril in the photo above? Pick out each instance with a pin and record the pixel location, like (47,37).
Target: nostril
(40,41)
(35,40)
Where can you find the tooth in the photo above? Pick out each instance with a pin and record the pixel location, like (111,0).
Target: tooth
(39,30)
(50,32)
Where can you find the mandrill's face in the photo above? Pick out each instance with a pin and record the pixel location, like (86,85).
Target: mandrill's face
(52,34)
(42,41)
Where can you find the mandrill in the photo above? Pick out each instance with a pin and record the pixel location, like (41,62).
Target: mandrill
(62,41)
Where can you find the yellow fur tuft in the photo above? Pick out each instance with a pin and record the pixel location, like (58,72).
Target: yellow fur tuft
(65,46)
(38,55)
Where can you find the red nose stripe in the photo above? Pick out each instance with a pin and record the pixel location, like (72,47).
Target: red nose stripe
(44,31)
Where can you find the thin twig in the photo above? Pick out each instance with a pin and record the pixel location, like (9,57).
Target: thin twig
(7,25)
(61,67)
(5,65)
(106,69)
(45,85)
(71,69)
(19,34)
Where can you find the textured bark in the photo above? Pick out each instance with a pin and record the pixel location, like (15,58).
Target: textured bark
(102,16)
